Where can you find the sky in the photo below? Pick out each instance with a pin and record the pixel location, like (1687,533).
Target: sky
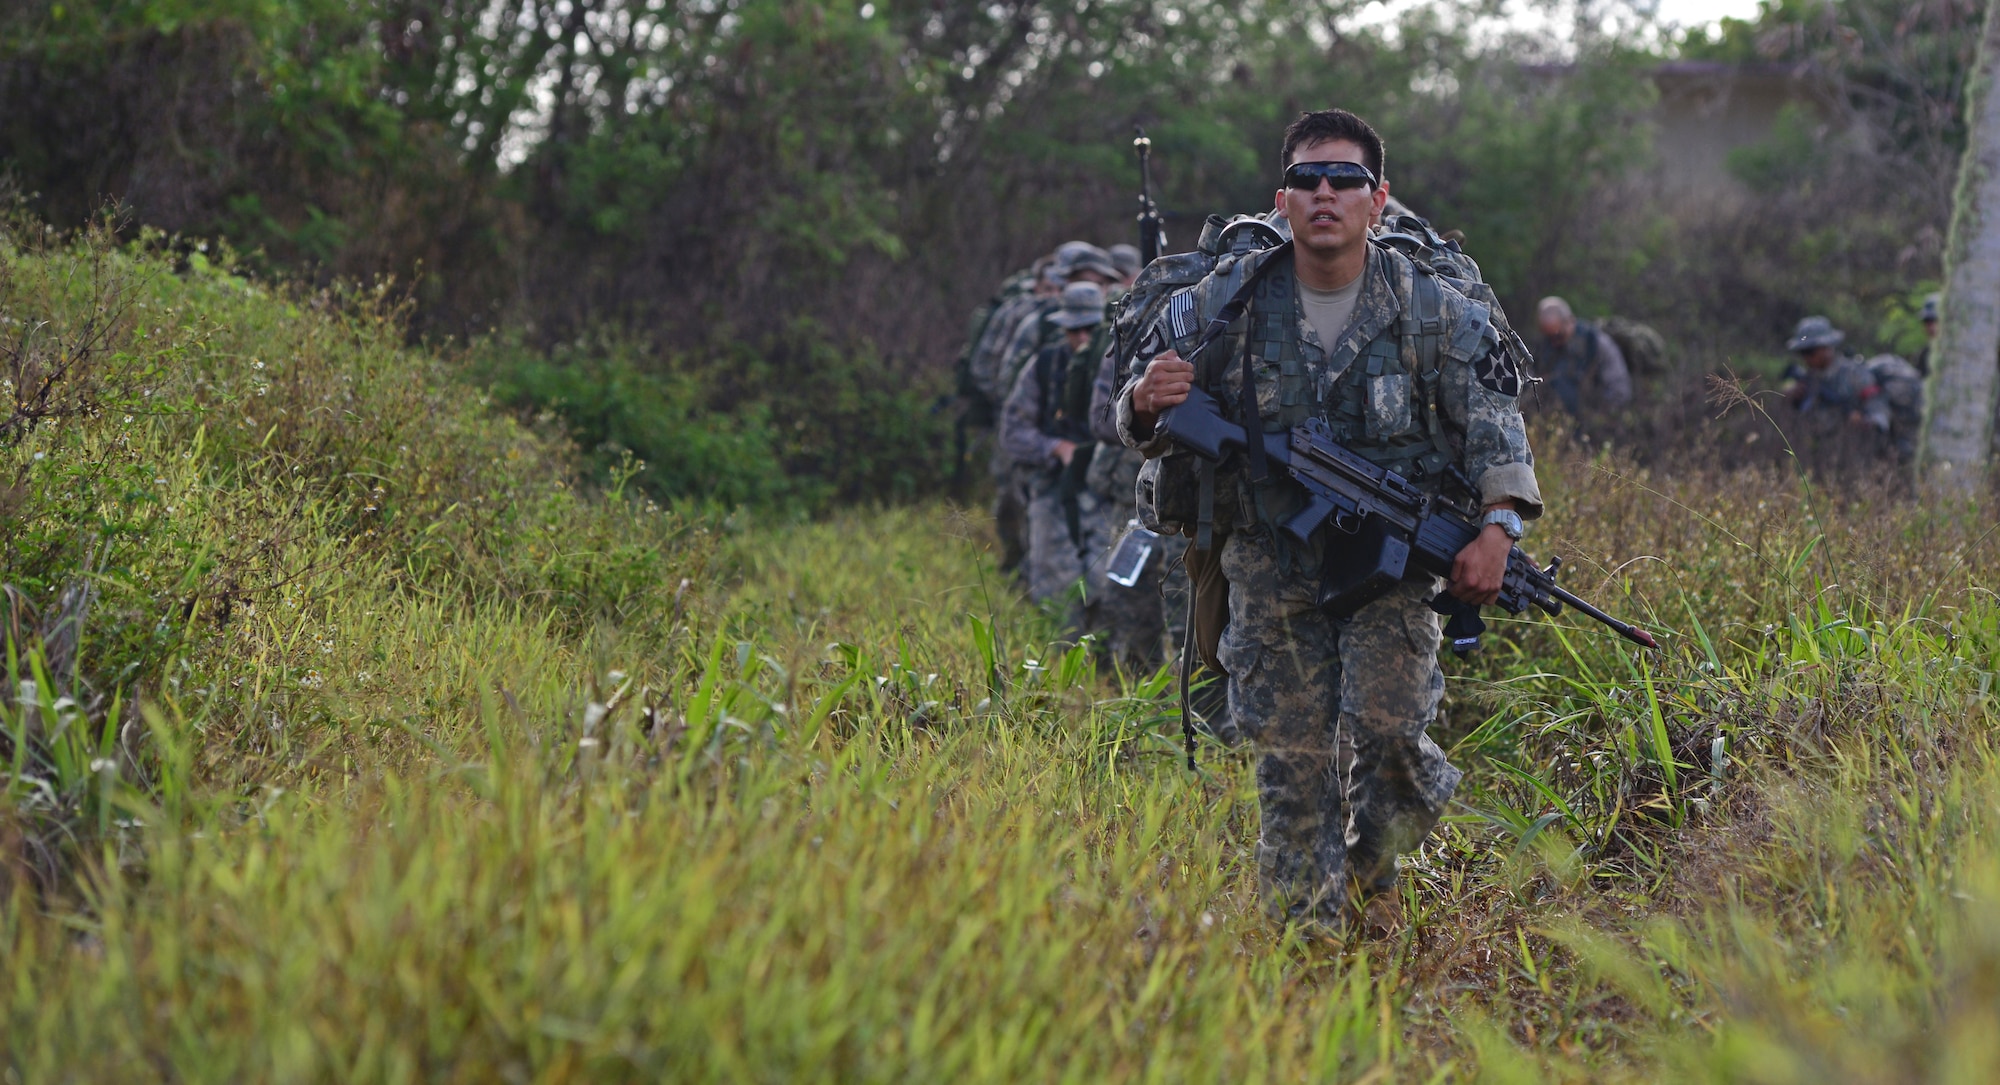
(1704,12)
(1555,16)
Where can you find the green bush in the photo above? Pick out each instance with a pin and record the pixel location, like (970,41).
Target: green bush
(787,423)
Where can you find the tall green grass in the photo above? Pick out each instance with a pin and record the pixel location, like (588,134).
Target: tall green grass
(359,744)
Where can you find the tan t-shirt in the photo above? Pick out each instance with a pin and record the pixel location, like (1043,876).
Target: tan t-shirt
(1328,311)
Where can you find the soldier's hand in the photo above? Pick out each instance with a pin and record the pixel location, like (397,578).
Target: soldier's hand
(1164,384)
(1065,451)
(1478,570)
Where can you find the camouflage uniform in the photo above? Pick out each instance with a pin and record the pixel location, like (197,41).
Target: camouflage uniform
(1299,681)
(1037,416)
(1886,391)
(985,368)
(1588,361)
(1007,347)
(1143,625)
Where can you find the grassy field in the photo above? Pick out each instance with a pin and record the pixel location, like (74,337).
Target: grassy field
(347,738)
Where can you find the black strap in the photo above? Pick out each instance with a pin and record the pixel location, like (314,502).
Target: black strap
(1187,666)
(1204,517)
(1233,308)
(1253,422)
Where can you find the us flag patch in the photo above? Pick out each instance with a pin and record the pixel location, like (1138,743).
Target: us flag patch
(1180,314)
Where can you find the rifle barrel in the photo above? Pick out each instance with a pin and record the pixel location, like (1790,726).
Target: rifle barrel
(1624,629)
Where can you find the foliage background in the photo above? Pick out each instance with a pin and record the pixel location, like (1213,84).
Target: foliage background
(344,735)
(775,213)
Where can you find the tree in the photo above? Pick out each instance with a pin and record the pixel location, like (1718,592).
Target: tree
(1958,434)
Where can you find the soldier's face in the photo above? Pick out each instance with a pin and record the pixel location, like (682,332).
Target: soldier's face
(1930,329)
(1819,357)
(1326,219)
(1078,338)
(1555,329)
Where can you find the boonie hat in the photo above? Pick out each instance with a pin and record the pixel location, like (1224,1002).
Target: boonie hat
(1088,258)
(1814,332)
(1082,306)
(1128,260)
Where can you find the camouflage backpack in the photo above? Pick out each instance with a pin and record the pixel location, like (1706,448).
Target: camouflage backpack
(1163,278)
(1645,349)
(1902,386)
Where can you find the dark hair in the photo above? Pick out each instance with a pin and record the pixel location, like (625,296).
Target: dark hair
(1327,124)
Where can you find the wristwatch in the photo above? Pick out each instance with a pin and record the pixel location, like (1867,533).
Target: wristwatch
(1509,521)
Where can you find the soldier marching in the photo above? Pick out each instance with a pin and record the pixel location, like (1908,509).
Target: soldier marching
(1341,309)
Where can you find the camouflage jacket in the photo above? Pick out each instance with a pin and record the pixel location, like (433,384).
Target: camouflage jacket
(987,363)
(1846,385)
(1471,396)
(1589,361)
(1103,399)
(1035,417)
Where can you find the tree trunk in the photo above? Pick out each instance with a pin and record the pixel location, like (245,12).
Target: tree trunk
(1958,430)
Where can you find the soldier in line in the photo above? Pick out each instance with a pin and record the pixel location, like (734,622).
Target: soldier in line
(1929,315)
(1883,395)
(1581,363)
(1010,513)
(1074,261)
(1141,624)
(1045,430)
(1411,375)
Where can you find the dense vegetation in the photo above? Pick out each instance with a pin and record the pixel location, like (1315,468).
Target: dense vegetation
(347,739)
(763,221)
(434,680)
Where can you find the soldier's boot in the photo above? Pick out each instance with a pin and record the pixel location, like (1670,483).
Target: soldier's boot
(1375,908)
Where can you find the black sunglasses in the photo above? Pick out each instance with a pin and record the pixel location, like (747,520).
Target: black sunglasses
(1341,175)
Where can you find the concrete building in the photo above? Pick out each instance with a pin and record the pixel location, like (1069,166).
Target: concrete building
(1708,109)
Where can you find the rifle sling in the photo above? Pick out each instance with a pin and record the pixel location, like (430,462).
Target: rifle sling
(1187,667)
(1253,422)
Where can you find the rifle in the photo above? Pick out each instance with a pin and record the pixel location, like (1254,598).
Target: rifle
(1388,522)
(1152,228)
(1071,486)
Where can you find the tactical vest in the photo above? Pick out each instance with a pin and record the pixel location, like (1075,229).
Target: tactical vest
(1384,406)
(1064,385)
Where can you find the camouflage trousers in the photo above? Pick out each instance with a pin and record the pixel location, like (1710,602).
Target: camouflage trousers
(1055,560)
(1301,688)
(1142,625)
(1010,522)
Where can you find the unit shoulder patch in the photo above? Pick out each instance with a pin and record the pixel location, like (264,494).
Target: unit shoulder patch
(1498,371)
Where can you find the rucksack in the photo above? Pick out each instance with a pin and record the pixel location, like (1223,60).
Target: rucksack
(1644,348)
(1902,385)
(978,406)
(1168,275)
